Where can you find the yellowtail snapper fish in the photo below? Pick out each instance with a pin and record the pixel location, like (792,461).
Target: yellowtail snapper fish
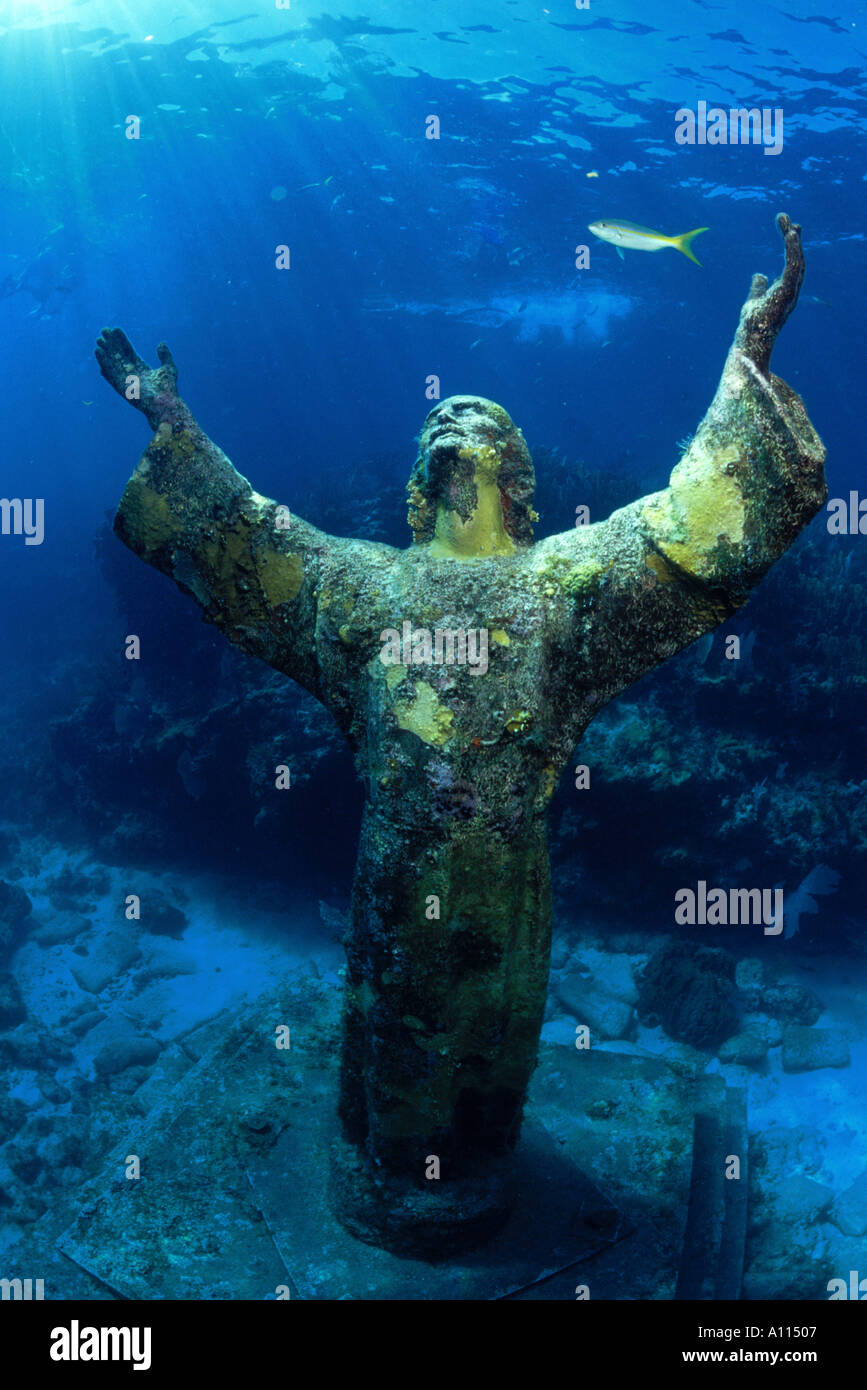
(634,238)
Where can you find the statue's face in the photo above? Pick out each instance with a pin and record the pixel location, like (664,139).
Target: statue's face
(472,486)
(465,428)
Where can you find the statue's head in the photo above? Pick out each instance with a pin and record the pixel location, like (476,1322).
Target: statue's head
(471,490)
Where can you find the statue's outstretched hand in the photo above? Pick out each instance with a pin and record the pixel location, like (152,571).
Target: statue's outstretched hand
(766,310)
(152,390)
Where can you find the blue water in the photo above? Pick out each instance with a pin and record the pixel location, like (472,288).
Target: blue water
(410,256)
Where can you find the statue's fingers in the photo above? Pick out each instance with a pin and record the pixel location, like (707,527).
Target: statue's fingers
(118,359)
(103,349)
(168,363)
(783,294)
(767,309)
(758,287)
(793,272)
(115,352)
(115,342)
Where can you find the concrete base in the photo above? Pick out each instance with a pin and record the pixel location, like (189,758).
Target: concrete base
(233,1201)
(433,1221)
(559,1218)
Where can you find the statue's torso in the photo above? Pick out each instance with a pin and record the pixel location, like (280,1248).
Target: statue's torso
(451,734)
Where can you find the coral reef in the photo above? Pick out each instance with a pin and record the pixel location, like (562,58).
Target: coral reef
(691,992)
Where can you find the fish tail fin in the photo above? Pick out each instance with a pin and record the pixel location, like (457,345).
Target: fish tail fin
(684,243)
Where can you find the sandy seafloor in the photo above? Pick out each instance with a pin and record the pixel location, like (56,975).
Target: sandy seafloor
(109,1006)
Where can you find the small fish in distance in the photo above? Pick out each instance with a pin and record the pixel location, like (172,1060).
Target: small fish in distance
(634,238)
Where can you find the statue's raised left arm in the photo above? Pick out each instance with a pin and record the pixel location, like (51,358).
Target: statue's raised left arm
(670,567)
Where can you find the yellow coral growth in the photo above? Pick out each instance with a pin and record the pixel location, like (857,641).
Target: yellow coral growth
(663,571)
(394,675)
(703,506)
(486,462)
(148,516)
(281,576)
(425,716)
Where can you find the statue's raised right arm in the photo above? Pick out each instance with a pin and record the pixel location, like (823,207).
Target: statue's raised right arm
(250,564)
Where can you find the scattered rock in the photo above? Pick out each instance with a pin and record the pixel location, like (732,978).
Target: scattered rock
(160,916)
(559,1030)
(15,905)
(12,1010)
(808,1049)
(111,955)
(15,908)
(116,1045)
(29,1207)
(611,974)
(792,1004)
(786,1249)
(799,1199)
(52,1091)
(771,1028)
(786,1150)
(9,1050)
(850,1209)
(25,1159)
(85,1022)
(81,1006)
(606,1018)
(129,1081)
(33,1048)
(164,959)
(749,973)
(73,890)
(751,980)
(13,1113)
(686,1060)
(746,1049)
(63,1147)
(61,929)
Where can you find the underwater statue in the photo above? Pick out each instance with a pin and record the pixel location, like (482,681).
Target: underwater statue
(448,950)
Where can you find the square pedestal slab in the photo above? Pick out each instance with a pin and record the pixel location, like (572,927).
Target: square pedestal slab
(232,1204)
(560,1218)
